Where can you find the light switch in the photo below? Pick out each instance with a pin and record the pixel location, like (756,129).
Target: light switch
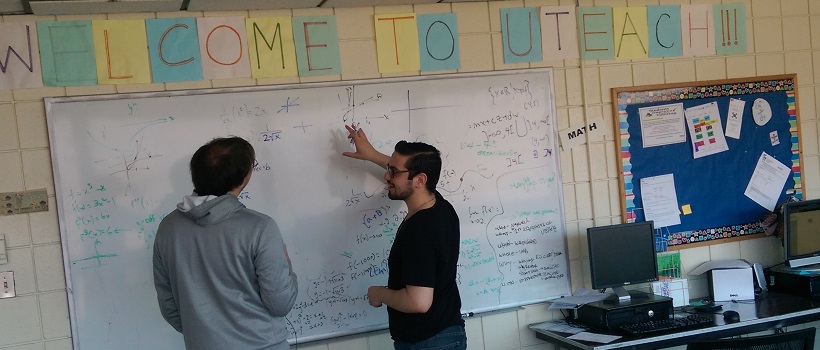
(4,259)
(7,285)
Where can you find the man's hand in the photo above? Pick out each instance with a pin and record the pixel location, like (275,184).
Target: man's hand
(364,150)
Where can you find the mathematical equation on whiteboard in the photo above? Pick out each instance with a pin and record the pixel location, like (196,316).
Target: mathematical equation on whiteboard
(499,173)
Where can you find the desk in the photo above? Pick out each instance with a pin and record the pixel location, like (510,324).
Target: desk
(770,311)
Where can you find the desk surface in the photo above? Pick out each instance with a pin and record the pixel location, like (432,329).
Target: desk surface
(771,310)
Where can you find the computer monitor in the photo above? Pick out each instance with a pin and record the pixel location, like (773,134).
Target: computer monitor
(801,232)
(622,255)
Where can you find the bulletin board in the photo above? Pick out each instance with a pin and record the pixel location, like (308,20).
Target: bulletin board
(711,190)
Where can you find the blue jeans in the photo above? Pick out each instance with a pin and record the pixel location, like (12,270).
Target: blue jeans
(451,338)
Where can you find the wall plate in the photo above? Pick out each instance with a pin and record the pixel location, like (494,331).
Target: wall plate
(8,203)
(33,201)
(7,285)
(23,202)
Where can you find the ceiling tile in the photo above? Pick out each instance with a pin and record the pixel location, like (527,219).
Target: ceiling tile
(11,6)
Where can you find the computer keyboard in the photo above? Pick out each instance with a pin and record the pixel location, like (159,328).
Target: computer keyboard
(674,324)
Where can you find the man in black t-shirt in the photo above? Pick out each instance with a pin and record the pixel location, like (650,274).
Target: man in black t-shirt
(423,303)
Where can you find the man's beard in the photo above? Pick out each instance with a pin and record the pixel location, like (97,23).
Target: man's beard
(399,195)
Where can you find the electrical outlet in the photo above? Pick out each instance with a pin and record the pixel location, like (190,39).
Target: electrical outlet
(7,285)
(8,203)
(23,202)
(33,201)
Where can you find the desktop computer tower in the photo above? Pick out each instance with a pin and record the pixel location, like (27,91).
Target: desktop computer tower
(612,313)
(796,281)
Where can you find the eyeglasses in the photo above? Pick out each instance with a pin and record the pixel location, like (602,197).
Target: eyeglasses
(393,171)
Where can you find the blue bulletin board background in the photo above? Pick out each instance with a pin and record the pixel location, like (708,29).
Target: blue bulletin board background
(713,185)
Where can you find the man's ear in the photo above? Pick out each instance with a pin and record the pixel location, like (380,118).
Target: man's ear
(421,180)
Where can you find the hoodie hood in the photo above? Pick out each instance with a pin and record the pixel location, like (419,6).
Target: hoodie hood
(209,210)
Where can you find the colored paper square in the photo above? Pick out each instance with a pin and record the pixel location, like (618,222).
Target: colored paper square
(397,42)
(174,53)
(67,50)
(666,40)
(439,39)
(121,51)
(317,45)
(521,35)
(630,30)
(730,24)
(595,33)
(272,51)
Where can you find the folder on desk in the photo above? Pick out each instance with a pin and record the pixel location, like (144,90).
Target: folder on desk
(582,296)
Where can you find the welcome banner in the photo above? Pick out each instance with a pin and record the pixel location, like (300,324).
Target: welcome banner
(76,53)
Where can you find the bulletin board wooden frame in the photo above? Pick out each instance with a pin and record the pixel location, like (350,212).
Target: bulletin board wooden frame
(627,99)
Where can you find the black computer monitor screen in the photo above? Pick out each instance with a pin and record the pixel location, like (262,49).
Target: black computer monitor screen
(801,232)
(622,255)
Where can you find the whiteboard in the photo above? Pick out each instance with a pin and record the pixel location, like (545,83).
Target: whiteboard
(120,165)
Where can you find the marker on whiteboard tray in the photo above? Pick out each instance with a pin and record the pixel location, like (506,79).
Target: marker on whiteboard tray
(467,314)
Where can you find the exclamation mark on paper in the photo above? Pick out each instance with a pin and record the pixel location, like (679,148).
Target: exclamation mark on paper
(728,23)
(735,22)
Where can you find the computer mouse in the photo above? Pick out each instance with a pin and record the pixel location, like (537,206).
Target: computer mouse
(731,316)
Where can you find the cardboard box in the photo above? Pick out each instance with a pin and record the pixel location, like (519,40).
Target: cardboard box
(732,284)
(728,279)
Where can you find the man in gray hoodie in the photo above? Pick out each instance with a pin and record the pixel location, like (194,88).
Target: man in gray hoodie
(222,272)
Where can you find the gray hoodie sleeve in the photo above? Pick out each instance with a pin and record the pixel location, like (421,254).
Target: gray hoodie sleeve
(277,282)
(167,303)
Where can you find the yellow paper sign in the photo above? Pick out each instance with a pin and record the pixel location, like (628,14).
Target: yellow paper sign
(630,32)
(397,42)
(272,51)
(121,48)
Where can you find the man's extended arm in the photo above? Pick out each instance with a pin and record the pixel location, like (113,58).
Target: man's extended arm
(412,299)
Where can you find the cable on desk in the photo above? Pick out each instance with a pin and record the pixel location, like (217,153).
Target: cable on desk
(689,309)
(748,301)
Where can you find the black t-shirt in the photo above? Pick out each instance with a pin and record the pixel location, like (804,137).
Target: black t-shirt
(425,254)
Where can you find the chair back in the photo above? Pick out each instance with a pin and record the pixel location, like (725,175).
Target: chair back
(795,340)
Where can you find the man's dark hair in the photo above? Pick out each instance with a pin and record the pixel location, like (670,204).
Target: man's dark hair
(221,165)
(423,158)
